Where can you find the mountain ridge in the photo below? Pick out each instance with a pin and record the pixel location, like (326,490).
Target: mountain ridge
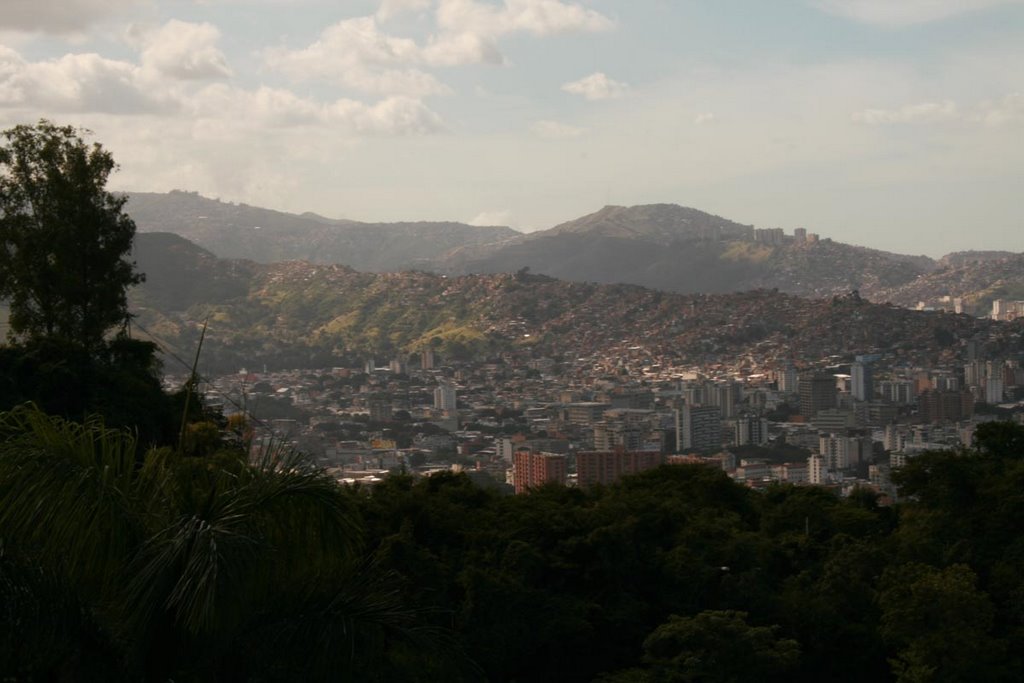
(301,314)
(661,246)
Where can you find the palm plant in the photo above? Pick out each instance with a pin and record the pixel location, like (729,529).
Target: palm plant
(188,560)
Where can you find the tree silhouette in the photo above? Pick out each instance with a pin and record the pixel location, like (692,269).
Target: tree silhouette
(64,240)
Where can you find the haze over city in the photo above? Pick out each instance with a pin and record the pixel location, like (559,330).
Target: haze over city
(893,125)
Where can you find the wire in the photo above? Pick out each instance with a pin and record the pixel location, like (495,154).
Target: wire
(200,378)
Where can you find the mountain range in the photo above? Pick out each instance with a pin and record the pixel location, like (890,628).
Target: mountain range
(301,314)
(241,231)
(662,246)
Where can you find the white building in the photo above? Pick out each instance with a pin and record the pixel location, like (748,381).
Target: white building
(817,472)
(445,397)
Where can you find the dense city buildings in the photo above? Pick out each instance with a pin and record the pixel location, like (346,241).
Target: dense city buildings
(519,419)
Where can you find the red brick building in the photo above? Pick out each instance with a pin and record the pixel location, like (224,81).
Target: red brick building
(530,469)
(605,467)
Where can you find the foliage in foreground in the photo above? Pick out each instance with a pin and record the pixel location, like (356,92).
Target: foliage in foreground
(213,568)
(192,568)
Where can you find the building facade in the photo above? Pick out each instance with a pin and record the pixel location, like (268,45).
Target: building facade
(530,470)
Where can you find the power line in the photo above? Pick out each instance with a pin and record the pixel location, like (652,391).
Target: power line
(200,378)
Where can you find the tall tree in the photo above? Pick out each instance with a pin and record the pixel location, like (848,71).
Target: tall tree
(64,240)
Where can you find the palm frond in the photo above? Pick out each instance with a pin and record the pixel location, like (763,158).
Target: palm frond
(66,492)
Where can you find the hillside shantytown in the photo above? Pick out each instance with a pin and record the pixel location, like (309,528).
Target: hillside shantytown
(768,414)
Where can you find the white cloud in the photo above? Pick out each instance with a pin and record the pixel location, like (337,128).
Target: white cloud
(76,83)
(356,54)
(59,16)
(185,51)
(247,110)
(489,218)
(596,86)
(897,13)
(462,48)
(704,118)
(996,113)
(88,83)
(553,130)
(392,8)
(469,29)
(1008,109)
(922,112)
(539,17)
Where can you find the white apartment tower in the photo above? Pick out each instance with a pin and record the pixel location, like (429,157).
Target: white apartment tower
(444,397)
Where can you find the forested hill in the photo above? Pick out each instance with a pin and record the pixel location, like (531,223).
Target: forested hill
(298,313)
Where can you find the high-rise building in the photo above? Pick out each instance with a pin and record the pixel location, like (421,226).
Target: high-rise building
(750,430)
(975,373)
(994,389)
(902,391)
(698,428)
(445,397)
(618,435)
(861,386)
(817,470)
(725,396)
(787,379)
(427,359)
(595,467)
(842,451)
(943,406)
(817,392)
(530,470)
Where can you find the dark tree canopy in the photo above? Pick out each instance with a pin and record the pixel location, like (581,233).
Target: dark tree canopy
(64,240)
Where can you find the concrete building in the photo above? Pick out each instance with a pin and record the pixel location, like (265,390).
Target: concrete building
(843,451)
(1007,310)
(861,385)
(817,470)
(586,412)
(900,392)
(940,406)
(817,392)
(994,390)
(750,430)
(445,397)
(698,428)
(618,435)
(834,419)
(788,380)
(530,470)
(606,467)
(725,396)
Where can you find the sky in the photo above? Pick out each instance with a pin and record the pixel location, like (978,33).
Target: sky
(894,124)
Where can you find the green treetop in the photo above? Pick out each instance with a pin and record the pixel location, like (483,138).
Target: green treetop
(64,240)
